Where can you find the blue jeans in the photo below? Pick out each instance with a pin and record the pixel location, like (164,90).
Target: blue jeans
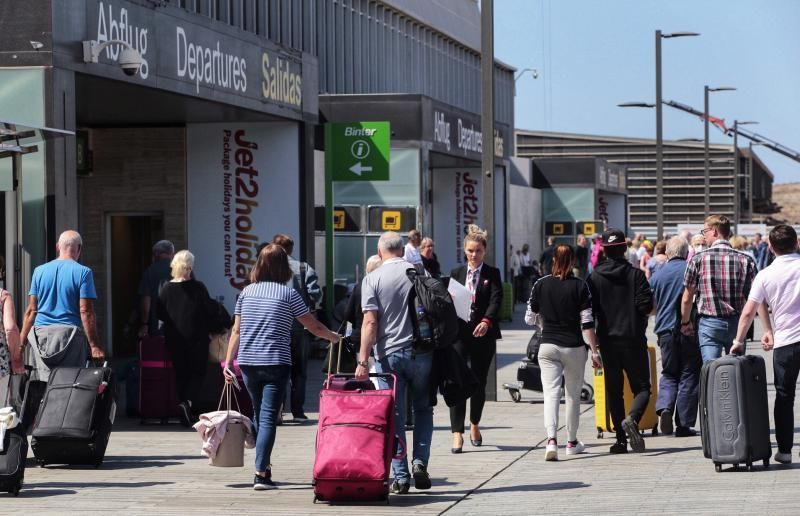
(414,371)
(678,389)
(267,386)
(714,334)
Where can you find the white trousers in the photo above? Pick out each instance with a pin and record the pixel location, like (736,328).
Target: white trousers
(556,361)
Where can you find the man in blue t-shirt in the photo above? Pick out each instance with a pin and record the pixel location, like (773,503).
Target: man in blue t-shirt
(60,319)
(680,355)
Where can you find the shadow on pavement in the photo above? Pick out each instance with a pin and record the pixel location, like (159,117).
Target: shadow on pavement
(133,462)
(101,485)
(554,486)
(666,451)
(42,493)
(285,486)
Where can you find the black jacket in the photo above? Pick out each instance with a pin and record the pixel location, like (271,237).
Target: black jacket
(621,301)
(488,298)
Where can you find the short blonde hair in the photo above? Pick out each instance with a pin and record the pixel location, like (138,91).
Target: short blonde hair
(721,223)
(182,263)
(373,262)
(739,243)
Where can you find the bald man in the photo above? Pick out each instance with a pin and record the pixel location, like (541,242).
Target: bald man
(60,321)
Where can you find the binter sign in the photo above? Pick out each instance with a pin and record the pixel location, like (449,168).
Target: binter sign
(358,151)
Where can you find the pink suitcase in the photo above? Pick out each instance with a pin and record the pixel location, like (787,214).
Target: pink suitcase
(355,442)
(158,398)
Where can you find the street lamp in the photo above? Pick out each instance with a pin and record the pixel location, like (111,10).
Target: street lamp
(707,174)
(659,127)
(736,169)
(534,73)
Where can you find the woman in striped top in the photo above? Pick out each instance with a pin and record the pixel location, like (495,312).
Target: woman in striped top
(261,342)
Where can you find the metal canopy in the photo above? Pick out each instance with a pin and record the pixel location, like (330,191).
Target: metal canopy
(17,138)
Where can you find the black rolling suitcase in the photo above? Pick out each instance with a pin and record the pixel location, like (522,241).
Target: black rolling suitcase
(734,414)
(15,443)
(75,418)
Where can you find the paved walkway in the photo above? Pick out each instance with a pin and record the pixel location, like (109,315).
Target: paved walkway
(158,470)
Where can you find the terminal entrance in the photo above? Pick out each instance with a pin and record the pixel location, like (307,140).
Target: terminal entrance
(129,250)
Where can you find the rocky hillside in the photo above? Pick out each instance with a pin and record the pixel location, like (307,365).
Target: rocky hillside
(787,196)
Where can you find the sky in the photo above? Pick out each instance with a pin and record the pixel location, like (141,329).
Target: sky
(591,55)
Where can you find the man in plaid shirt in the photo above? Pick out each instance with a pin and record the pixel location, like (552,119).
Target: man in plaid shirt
(720,277)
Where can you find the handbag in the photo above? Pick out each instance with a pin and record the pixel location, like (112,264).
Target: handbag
(218,347)
(532,318)
(230,453)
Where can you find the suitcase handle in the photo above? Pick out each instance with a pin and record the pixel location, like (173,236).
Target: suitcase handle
(89,362)
(384,376)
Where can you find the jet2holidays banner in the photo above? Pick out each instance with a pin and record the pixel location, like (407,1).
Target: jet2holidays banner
(242,184)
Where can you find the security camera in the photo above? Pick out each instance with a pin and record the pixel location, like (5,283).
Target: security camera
(535,74)
(130,61)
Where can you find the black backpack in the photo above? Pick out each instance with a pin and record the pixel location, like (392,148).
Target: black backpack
(432,295)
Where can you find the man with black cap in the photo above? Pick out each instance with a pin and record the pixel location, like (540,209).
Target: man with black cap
(622,301)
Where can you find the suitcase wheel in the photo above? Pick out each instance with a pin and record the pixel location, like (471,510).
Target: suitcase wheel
(515,395)
(40,463)
(766,463)
(749,466)
(587,393)
(655,432)
(717,467)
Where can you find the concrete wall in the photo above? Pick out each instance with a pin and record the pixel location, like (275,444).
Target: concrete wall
(525,218)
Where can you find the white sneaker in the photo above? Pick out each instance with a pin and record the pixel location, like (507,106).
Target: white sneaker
(574,449)
(551,450)
(783,458)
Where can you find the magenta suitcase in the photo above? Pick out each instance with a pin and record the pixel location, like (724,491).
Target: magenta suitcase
(158,397)
(355,443)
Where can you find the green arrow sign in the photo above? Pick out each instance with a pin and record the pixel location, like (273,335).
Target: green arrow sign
(358,151)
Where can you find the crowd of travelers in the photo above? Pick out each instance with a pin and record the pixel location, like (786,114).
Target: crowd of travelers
(593,301)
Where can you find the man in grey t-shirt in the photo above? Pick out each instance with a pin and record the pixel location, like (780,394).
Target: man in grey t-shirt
(387,323)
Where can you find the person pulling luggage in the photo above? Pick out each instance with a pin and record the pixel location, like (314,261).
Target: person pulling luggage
(60,321)
(389,329)
(720,277)
(776,287)
(622,301)
(261,341)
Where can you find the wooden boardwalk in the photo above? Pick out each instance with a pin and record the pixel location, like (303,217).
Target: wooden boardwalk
(158,470)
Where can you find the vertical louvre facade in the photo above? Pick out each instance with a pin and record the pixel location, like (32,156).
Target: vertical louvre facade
(366,46)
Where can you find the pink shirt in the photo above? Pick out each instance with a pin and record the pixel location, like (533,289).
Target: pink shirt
(779,286)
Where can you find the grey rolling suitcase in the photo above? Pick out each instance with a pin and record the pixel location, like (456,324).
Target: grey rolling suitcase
(75,418)
(734,415)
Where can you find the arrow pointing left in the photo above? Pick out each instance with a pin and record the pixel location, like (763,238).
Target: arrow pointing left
(357,169)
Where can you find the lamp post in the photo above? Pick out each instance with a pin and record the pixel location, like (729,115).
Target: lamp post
(534,73)
(659,128)
(736,170)
(707,173)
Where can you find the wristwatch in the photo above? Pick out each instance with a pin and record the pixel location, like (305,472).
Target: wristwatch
(363,363)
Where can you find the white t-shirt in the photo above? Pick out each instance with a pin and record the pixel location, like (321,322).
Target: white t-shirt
(779,286)
(412,255)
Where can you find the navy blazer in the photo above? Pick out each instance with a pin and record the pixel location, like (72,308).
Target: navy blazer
(488,298)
